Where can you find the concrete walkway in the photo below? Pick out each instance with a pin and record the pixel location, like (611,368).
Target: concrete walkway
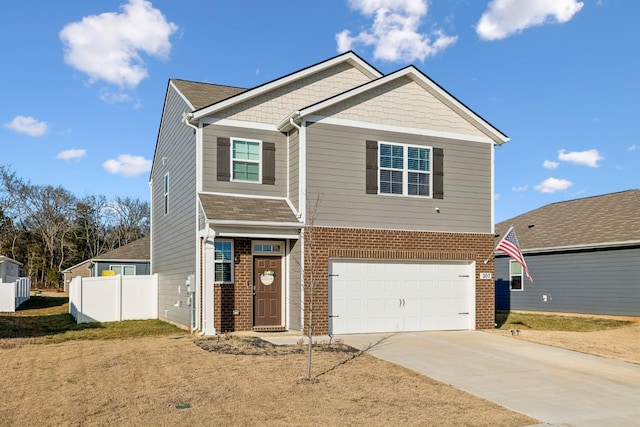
(556,386)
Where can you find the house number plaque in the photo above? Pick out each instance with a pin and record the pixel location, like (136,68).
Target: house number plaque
(267,277)
(485,275)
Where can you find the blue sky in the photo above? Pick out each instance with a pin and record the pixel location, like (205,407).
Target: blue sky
(83,82)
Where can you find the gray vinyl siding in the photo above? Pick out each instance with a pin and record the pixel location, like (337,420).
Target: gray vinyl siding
(210,182)
(599,282)
(294,170)
(174,235)
(295,285)
(336,170)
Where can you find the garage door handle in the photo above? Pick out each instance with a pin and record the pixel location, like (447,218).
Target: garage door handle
(464,313)
(402,302)
(335,315)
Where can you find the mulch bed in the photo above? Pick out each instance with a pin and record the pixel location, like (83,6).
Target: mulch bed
(255,346)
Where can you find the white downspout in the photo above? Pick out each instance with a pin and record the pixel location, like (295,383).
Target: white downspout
(302,204)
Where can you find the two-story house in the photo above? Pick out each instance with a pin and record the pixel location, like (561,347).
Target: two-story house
(373,191)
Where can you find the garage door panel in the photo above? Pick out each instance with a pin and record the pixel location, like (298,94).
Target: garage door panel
(397,296)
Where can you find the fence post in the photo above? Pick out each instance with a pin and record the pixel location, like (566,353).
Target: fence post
(118,297)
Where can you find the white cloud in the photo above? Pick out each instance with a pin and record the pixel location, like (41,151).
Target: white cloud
(114,97)
(27,125)
(504,18)
(71,154)
(496,196)
(549,164)
(553,185)
(128,165)
(520,189)
(394,31)
(633,147)
(586,158)
(108,46)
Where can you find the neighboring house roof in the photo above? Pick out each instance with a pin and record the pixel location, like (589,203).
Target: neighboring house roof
(202,94)
(598,221)
(138,250)
(73,267)
(4,258)
(225,209)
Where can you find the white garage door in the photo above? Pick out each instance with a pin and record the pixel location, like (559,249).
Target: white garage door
(381,296)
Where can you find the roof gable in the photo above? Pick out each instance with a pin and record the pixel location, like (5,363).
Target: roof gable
(598,221)
(458,115)
(348,58)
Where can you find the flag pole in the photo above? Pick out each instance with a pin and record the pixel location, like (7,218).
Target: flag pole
(494,249)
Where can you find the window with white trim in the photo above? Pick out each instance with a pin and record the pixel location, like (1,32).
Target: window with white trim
(404,169)
(515,276)
(124,270)
(223,261)
(166,193)
(245,160)
(268,248)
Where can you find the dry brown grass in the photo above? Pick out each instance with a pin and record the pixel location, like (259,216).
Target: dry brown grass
(145,382)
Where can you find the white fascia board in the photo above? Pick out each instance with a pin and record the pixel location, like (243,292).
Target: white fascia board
(413,73)
(258,234)
(248,196)
(252,93)
(239,124)
(255,224)
(184,98)
(603,245)
(400,129)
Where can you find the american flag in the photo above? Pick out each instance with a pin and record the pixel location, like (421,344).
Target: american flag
(510,246)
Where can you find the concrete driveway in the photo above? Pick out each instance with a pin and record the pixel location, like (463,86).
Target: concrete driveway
(556,386)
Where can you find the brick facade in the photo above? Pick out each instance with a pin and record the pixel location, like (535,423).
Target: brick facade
(330,243)
(355,243)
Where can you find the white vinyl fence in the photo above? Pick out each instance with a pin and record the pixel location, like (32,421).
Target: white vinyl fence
(113,298)
(12,294)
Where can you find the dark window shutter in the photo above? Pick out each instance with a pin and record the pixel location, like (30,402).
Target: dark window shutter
(268,163)
(372,167)
(438,173)
(224,159)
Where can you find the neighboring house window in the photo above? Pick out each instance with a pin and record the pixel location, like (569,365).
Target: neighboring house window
(245,160)
(124,270)
(166,194)
(515,276)
(404,170)
(223,261)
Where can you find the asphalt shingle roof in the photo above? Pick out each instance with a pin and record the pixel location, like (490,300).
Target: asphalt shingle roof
(241,209)
(137,250)
(204,94)
(599,220)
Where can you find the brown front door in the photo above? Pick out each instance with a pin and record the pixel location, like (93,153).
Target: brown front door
(267,298)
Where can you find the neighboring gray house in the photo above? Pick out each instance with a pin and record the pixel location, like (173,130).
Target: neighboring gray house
(377,189)
(9,269)
(583,255)
(129,259)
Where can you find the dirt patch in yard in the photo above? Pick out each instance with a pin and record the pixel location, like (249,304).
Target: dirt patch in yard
(182,381)
(621,343)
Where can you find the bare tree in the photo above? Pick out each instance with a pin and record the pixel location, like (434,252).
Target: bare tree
(309,278)
(90,231)
(129,221)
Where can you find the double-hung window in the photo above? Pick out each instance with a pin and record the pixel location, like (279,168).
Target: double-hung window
(223,261)
(404,169)
(245,160)
(515,274)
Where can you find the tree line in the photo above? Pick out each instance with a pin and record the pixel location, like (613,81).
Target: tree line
(48,229)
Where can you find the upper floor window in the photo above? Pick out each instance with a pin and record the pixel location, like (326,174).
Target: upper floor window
(245,160)
(404,170)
